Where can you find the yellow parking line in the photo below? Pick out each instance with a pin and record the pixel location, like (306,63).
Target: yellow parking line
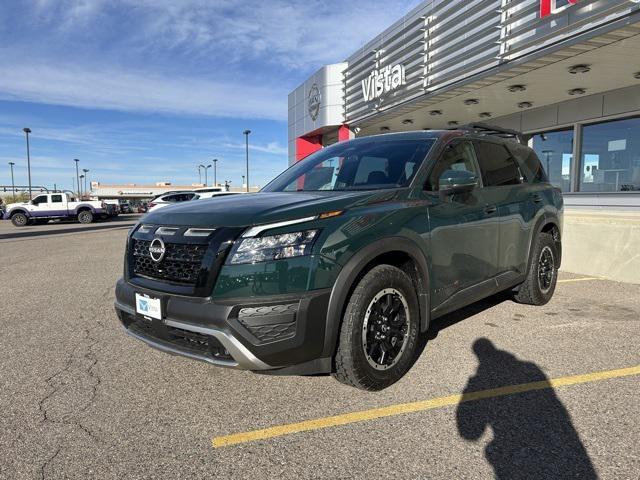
(400,409)
(583,279)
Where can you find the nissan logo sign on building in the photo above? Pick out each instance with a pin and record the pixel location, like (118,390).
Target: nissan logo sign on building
(314,102)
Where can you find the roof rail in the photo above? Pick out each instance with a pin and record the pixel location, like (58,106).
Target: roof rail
(486,129)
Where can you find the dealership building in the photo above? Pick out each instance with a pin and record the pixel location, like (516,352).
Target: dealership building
(564,72)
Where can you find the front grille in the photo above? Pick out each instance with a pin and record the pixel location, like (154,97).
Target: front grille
(181,263)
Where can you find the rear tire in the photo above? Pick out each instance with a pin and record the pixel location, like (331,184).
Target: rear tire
(379,332)
(85,217)
(19,220)
(542,276)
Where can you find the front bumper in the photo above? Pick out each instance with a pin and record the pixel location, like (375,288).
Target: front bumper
(257,333)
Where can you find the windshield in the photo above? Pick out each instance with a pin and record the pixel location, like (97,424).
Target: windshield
(369,164)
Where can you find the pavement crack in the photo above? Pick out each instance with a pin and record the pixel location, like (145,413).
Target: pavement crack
(79,366)
(43,468)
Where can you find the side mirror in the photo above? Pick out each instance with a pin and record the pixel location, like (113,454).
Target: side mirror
(457,181)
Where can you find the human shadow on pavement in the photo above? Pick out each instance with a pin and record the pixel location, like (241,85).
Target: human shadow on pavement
(533,436)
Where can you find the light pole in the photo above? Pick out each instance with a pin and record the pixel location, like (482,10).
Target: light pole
(27,131)
(80,194)
(206,175)
(85,170)
(215,177)
(246,143)
(199,175)
(13,184)
(77,176)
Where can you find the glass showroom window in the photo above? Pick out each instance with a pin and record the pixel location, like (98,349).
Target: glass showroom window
(555,150)
(611,156)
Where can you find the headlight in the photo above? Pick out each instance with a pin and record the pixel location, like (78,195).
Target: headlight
(273,247)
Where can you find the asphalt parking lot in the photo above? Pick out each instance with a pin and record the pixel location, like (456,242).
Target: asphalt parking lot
(80,399)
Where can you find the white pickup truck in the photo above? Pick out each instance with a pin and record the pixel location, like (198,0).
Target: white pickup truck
(56,205)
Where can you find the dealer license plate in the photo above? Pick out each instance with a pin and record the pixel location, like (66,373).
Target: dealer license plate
(148,306)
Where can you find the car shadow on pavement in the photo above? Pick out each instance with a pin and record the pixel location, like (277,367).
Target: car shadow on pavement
(532,433)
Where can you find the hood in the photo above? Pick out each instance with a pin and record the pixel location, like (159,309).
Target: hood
(18,204)
(257,208)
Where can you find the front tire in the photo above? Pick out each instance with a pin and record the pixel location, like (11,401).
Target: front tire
(379,333)
(85,217)
(542,276)
(19,220)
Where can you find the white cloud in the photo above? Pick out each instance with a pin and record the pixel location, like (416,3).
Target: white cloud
(225,58)
(134,91)
(272,148)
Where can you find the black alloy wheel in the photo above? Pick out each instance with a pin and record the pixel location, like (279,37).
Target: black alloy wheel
(546,269)
(385,329)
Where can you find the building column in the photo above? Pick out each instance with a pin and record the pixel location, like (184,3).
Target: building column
(345,133)
(307,145)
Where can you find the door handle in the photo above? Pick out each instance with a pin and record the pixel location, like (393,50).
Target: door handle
(490,210)
(536,198)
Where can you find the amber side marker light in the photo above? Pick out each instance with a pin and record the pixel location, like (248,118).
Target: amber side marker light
(334,213)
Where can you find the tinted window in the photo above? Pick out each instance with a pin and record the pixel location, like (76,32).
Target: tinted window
(363,164)
(456,156)
(56,198)
(179,197)
(176,197)
(555,149)
(529,164)
(497,165)
(40,199)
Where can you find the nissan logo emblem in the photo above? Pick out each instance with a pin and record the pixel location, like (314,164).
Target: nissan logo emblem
(157,250)
(314,102)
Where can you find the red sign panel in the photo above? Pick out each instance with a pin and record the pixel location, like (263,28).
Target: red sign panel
(549,7)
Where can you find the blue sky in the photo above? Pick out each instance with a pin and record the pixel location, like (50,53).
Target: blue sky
(144,90)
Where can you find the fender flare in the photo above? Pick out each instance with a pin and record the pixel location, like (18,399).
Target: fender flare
(545,219)
(354,267)
(83,207)
(13,211)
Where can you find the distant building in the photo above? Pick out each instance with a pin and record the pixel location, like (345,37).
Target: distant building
(133,191)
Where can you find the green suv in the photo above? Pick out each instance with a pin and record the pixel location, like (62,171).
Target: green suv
(343,261)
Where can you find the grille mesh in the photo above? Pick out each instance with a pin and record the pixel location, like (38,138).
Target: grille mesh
(181,262)
(269,333)
(183,339)
(251,318)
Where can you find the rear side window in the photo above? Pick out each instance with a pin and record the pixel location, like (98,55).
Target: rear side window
(180,197)
(529,163)
(497,165)
(56,198)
